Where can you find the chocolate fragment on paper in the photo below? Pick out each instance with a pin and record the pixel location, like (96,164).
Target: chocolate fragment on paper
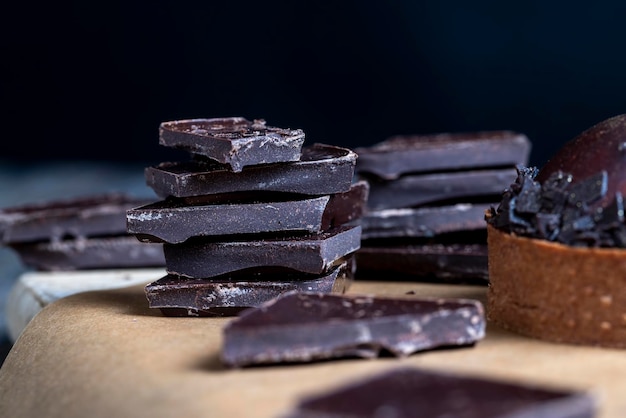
(302,327)
(234,141)
(408,392)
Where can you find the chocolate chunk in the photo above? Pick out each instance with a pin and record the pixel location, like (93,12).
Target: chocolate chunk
(419,189)
(408,392)
(92,253)
(228,295)
(235,141)
(463,263)
(77,217)
(322,169)
(423,222)
(175,221)
(307,253)
(419,153)
(302,327)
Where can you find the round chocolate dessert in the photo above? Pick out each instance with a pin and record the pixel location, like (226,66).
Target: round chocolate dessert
(557,258)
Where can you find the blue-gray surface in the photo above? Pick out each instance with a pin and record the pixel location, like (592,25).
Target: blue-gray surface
(21,184)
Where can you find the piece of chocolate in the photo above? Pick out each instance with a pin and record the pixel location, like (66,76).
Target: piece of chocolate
(305,253)
(421,153)
(419,189)
(175,221)
(423,222)
(77,217)
(466,263)
(302,327)
(409,392)
(228,295)
(91,253)
(322,169)
(234,141)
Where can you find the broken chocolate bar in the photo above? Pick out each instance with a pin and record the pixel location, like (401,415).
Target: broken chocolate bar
(421,153)
(175,221)
(423,222)
(302,327)
(228,294)
(305,253)
(92,253)
(234,141)
(419,189)
(409,392)
(466,263)
(77,217)
(322,169)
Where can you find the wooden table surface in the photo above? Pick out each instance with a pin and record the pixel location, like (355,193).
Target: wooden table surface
(105,354)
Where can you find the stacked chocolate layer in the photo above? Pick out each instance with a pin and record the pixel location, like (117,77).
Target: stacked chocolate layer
(250,216)
(427,200)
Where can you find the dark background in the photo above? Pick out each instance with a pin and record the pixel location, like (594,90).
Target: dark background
(92,80)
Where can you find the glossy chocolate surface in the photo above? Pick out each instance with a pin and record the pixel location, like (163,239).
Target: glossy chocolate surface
(234,141)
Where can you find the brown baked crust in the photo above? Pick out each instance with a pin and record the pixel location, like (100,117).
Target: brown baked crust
(557,292)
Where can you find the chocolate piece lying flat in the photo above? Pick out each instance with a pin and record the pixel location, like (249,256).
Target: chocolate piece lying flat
(92,253)
(419,189)
(228,295)
(408,392)
(174,221)
(306,253)
(77,217)
(419,153)
(452,262)
(423,222)
(301,327)
(235,141)
(322,169)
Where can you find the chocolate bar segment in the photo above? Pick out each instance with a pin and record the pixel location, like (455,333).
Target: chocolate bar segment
(302,327)
(419,189)
(228,295)
(306,253)
(322,169)
(234,141)
(409,392)
(456,151)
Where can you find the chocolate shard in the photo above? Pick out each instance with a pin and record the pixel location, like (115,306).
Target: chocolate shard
(234,141)
(409,392)
(305,253)
(175,221)
(302,327)
(419,153)
(322,169)
(228,295)
(58,219)
(419,189)
(464,263)
(93,253)
(423,222)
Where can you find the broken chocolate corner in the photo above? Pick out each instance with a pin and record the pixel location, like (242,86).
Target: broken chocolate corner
(303,327)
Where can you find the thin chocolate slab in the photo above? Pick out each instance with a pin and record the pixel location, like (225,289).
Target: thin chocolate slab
(423,222)
(306,253)
(91,253)
(419,189)
(322,169)
(449,151)
(234,141)
(303,327)
(429,262)
(228,295)
(175,221)
(78,217)
(409,392)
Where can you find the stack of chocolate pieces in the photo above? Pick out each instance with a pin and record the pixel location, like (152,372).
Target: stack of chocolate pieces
(252,214)
(427,201)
